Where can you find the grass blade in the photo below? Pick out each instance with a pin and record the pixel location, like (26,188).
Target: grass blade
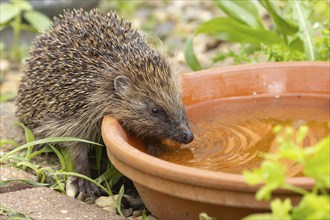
(67,158)
(45,141)
(9,142)
(29,182)
(45,149)
(111,174)
(282,25)
(230,30)
(29,137)
(84,177)
(244,12)
(98,153)
(8,12)
(144,215)
(26,164)
(120,196)
(60,157)
(190,56)
(39,21)
(305,28)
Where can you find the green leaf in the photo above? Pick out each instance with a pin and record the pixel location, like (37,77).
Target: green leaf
(260,217)
(9,142)
(111,174)
(281,209)
(4,183)
(317,162)
(190,56)
(37,20)
(205,216)
(23,5)
(312,207)
(297,44)
(271,174)
(44,141)
(7,96)
(98,155)
(282,25)
(45,149)
(84,177)
(281,53)
(230,30)
(305,28)
(60,157)
(323,46)
(301,134)
(67,158)
(244,12)
(144,215)
(29,165)
(254,177)
(7,12)
(29,137)
(265,192)
(120,196)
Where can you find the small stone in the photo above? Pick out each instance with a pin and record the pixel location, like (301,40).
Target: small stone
(110,209)
(137,213)
(71,190)
(151,217)
(4,65)
(127,212)
(105,201)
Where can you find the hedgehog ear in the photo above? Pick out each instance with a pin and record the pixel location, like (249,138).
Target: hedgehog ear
(121,84)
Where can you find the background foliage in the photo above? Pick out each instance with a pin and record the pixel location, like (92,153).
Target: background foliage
(267,31)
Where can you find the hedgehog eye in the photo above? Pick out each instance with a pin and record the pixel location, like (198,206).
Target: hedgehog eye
(155,111)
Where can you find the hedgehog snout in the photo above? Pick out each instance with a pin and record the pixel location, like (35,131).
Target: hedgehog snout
(187,137)
(184,134)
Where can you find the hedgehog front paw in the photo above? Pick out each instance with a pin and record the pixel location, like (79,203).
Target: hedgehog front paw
(81,188)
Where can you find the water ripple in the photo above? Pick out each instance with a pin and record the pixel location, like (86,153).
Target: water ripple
(234,144)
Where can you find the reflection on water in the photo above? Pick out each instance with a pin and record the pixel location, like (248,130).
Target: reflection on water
(230,133)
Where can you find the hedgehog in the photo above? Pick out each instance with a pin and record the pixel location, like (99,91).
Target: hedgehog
(89,64)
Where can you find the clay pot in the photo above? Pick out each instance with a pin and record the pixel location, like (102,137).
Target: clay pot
(172,191)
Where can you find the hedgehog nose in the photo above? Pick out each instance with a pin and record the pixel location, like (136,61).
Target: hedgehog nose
(187,137)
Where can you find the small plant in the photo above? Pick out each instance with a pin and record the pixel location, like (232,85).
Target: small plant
(204,216)
(7,96)
(12,214)
(292,35)
(315,161)
(22,157)
(12,14)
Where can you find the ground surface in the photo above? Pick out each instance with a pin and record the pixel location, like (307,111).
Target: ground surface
(44,203)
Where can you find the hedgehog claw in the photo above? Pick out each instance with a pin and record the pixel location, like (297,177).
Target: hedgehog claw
(81,188)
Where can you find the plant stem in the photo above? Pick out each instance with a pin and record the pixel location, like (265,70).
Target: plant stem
(309,50)
(15,53)
(294,189)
